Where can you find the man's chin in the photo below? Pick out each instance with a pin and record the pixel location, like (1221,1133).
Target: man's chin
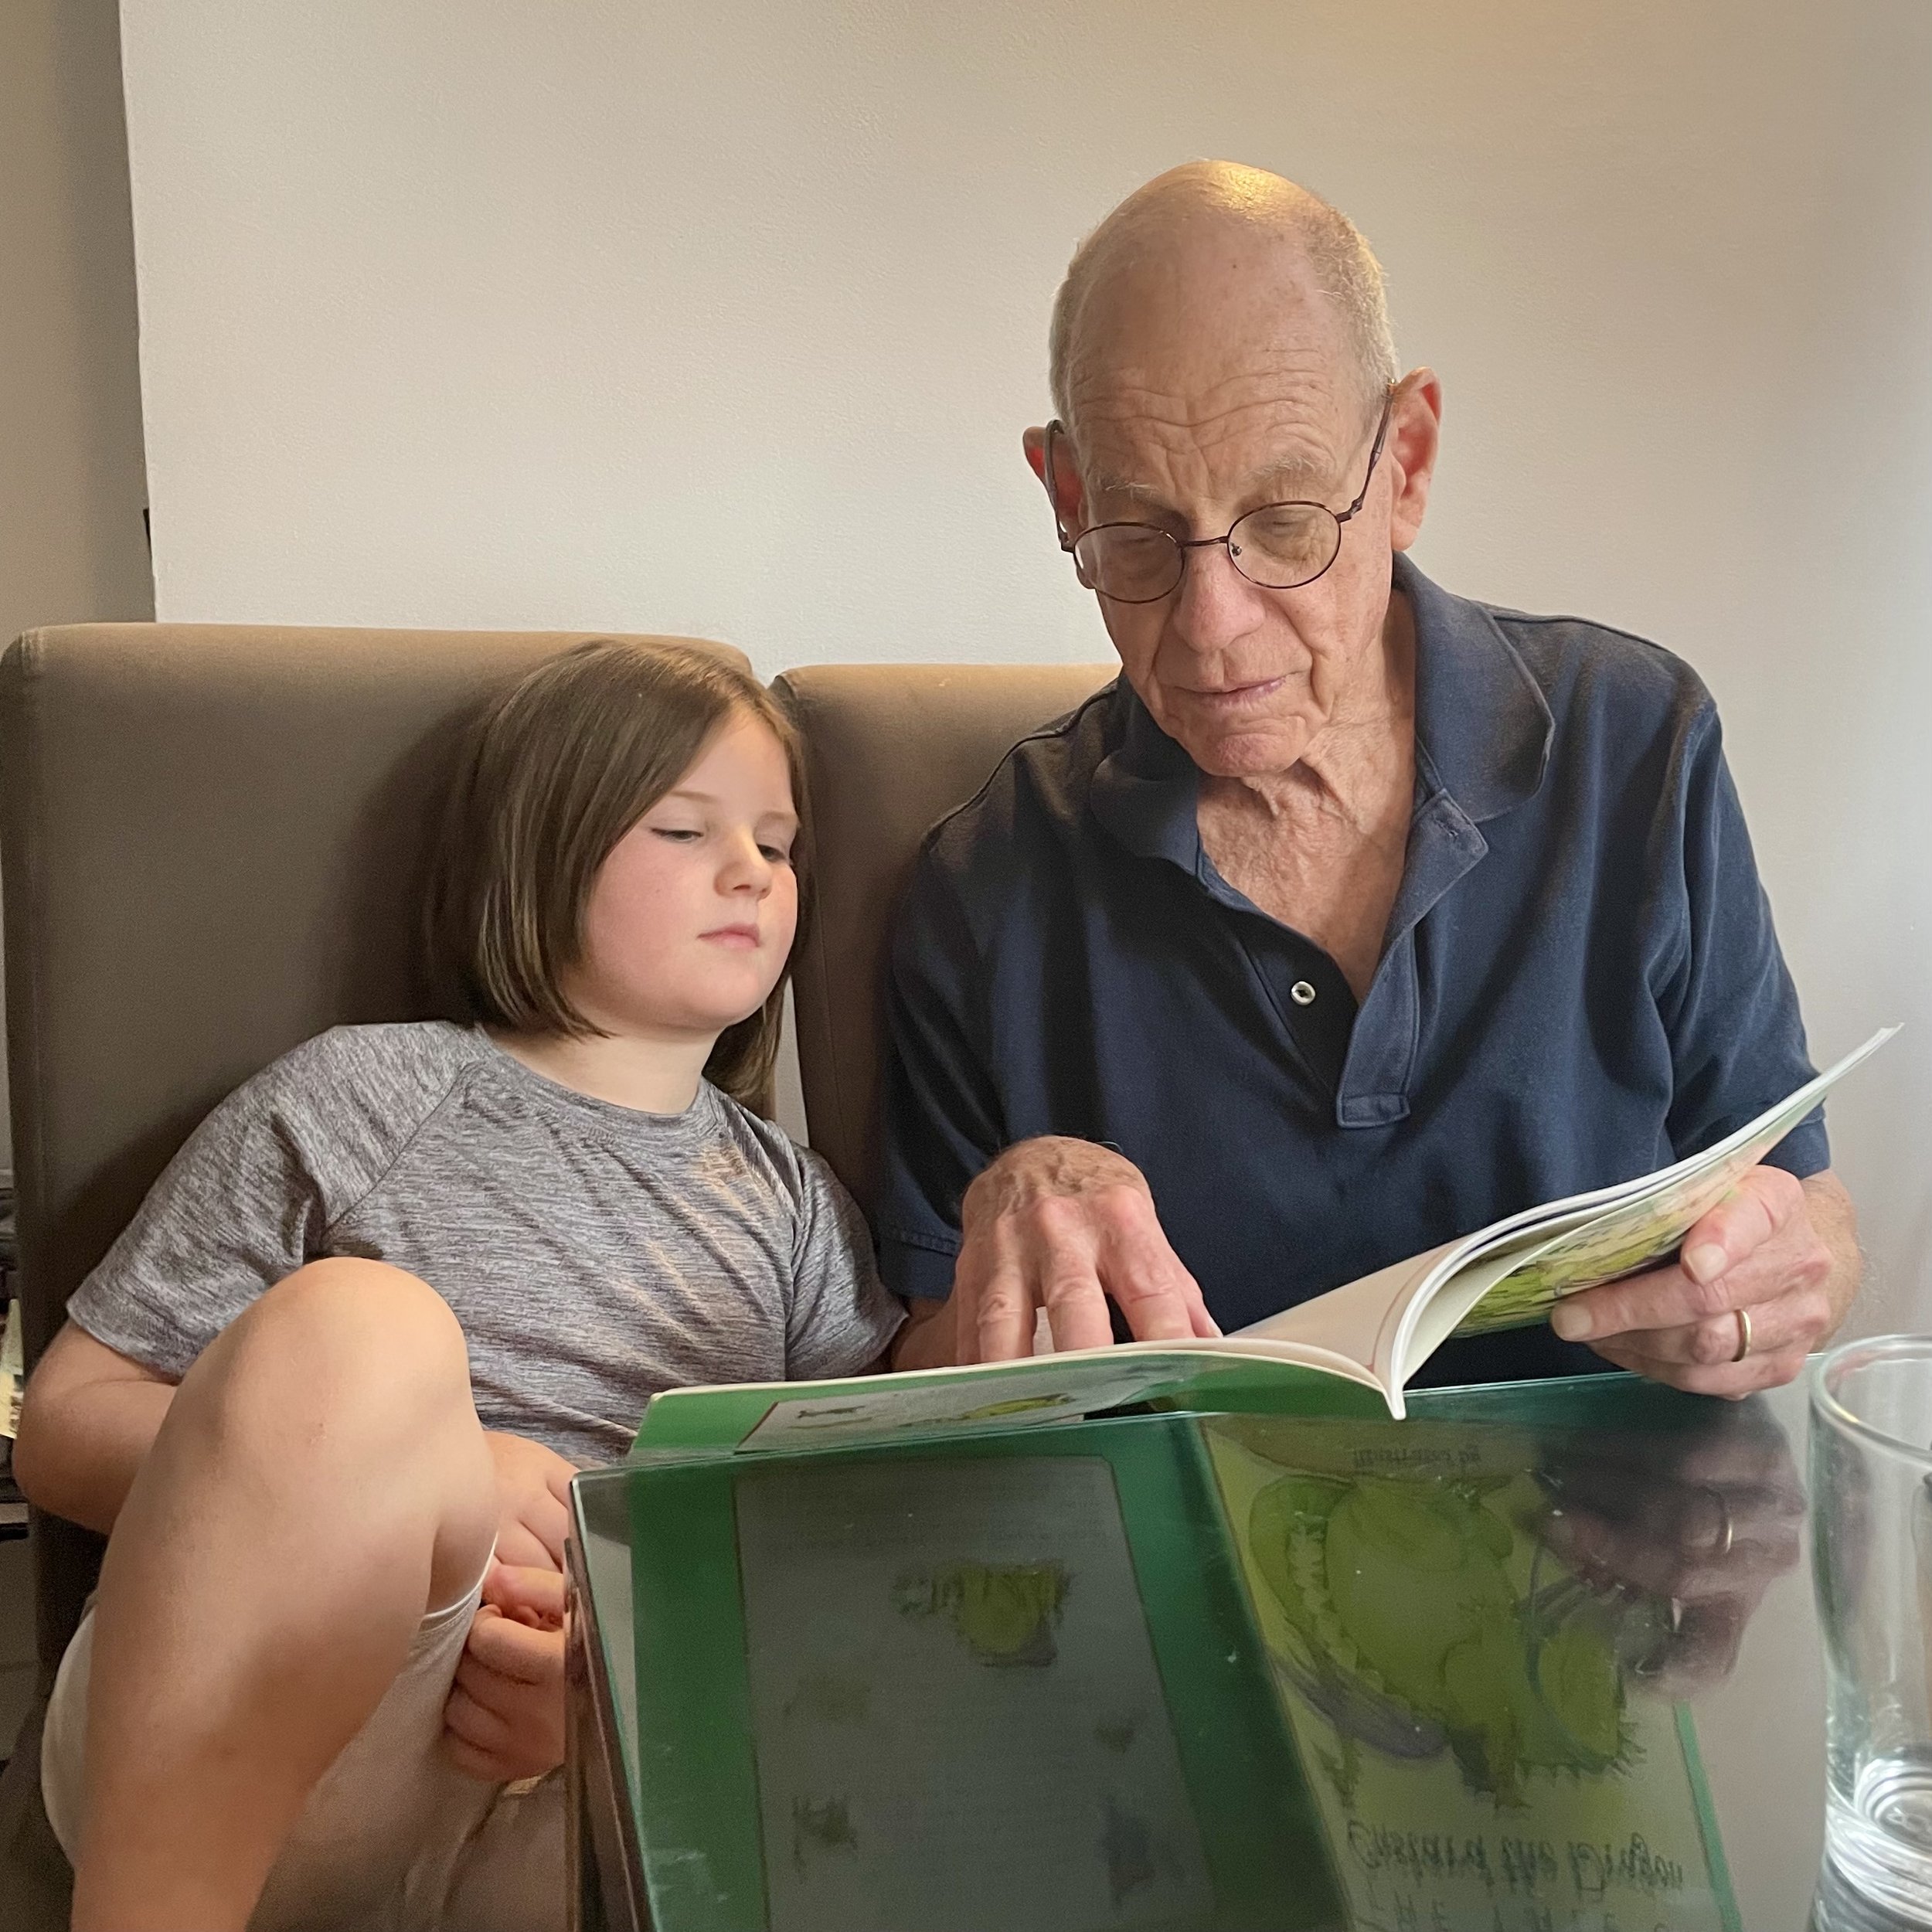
(1255,751)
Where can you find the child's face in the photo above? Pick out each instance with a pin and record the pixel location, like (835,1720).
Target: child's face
(692,915)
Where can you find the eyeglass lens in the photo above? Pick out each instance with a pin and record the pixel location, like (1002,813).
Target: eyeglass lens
(1280,546)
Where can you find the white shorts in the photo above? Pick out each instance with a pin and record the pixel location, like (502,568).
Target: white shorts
(394,1838)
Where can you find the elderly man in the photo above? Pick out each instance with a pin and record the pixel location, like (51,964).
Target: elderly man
(1354,915)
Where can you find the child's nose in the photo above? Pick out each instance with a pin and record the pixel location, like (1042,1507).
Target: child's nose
(749,869)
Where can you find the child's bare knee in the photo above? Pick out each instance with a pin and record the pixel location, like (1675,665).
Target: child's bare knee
(339,1337)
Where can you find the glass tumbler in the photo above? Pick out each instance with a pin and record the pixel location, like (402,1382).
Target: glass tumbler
(1871,1566)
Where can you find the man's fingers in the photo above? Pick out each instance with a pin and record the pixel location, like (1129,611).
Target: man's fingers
(1001,1329)
(1160,1299)
(1042,1257)
(1063,1224)
(1756,1247)
(1076,1306)
(1661,1298)
(1066,1225)
(1792,1322)
(963,1302)
(1733,1380)
(1763,1200)
(1702,1650)
(1716,1545)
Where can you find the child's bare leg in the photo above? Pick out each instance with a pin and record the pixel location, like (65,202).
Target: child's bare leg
(320,1482)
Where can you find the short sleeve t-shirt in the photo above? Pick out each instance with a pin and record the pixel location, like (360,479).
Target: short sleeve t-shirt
(593,1254)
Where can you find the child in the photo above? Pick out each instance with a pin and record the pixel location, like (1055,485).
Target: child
(393,1291)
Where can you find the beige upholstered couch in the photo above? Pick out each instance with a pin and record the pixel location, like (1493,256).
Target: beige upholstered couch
(210,837)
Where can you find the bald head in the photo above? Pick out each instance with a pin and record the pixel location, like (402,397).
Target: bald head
(1214,245)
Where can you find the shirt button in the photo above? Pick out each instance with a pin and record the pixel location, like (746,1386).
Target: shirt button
(1301,993)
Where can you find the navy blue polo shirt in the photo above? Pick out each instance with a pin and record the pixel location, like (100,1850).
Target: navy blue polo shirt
(1580,983)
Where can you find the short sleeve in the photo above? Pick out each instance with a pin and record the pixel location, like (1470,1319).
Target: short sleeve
(942,1120)
(840,1318)
(235,1211)
(1737,1039)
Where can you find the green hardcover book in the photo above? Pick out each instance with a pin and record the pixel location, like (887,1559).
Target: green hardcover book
(1168,1673)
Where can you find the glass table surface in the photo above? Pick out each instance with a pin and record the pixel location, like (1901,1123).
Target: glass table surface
(1541,1658)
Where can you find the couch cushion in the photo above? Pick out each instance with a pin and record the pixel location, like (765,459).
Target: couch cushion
(890,749)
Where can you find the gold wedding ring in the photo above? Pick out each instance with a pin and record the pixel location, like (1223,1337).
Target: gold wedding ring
(1743,1333)
(1719,1546)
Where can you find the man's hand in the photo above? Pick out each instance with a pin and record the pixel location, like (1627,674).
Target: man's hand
(504,1719)
(1701,1525)
(533,1489)
(1064,1224)
(1785,1251)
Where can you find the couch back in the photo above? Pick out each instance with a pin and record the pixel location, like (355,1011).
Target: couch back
(211,837)
(890,749)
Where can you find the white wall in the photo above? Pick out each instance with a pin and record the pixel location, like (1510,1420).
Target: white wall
(726,318)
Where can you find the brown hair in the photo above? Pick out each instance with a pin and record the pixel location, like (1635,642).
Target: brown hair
(552,773)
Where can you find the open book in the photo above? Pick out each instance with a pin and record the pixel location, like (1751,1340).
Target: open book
(1375,1332)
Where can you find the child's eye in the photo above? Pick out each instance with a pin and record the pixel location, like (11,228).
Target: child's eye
(776,854)
(683,834)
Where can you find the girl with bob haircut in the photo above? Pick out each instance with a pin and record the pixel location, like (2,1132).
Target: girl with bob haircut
(326,1393)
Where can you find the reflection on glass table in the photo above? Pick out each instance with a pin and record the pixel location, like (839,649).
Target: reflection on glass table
(1538,1659)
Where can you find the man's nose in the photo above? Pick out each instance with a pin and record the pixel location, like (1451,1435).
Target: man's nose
(1213,604)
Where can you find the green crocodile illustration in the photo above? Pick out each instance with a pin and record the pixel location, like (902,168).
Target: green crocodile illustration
(1005,1613)
(1483,1674)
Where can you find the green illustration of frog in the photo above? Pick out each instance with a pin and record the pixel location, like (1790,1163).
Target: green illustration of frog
(1412,1637)
(1005,1613)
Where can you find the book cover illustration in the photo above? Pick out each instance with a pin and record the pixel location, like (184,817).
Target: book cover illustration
(1463,1706)
(1589,1244)
(950,1655)
(1643,1233)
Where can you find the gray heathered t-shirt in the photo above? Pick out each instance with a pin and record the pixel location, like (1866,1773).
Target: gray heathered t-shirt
(593,1254)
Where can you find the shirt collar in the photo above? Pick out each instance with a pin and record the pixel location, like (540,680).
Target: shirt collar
(1483,726)
(1483,733)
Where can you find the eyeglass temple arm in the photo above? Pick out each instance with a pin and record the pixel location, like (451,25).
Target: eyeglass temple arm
(1046,474)
(1375,454)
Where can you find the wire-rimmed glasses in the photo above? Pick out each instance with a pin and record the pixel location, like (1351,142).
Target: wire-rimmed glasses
(1280,546)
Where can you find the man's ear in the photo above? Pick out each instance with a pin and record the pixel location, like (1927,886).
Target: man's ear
(1063,487)
(1415,439)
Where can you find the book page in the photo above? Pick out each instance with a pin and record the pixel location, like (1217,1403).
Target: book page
(1457,1700)
(1079,1385)
(1646,1226)
(981,1398)
(974,1669)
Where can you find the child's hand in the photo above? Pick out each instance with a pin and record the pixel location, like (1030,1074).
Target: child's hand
(504,1719)
(532,1488)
